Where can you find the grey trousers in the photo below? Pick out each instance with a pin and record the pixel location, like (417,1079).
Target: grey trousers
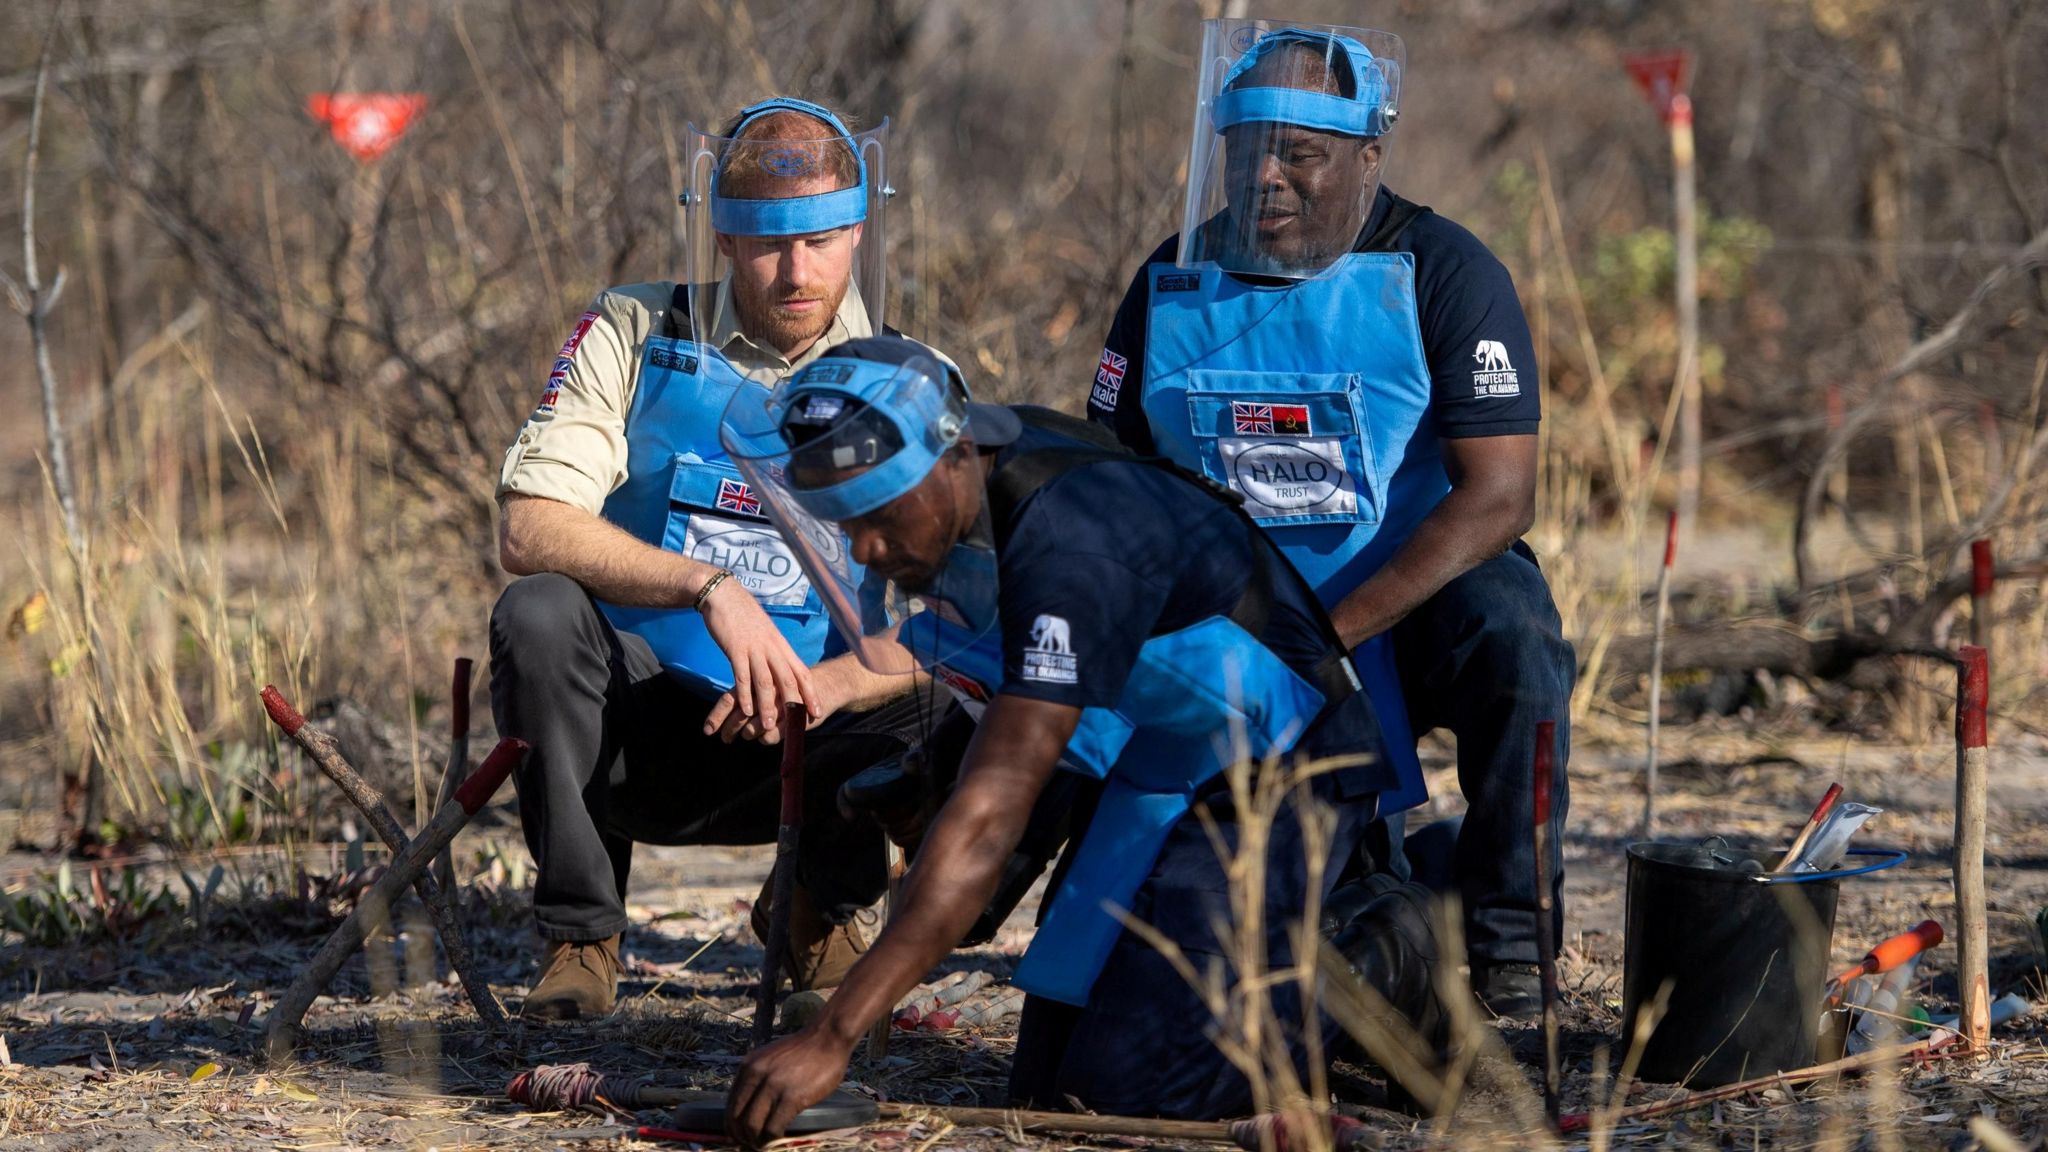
(619,756)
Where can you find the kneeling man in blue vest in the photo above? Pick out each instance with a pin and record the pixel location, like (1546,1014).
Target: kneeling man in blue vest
(1359,371)
(1104,615)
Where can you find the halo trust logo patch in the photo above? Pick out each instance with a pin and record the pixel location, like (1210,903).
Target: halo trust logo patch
(1050,657)
(1495,376)
(1282,479)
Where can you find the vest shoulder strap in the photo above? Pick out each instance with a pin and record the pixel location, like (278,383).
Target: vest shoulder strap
(1026,472)
(1400,214)
(677,322)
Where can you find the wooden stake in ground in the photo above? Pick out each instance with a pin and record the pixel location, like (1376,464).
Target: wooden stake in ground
(878,1035)
(1664,78)
(793,720)
(1973,773)
(370,802)
(1657,673)
(1686,236)
(456,769)
(1983,577)
(1546,934)
(406,867)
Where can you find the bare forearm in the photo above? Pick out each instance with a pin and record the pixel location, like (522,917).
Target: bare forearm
(849,684)
(1466,530)
(541,535)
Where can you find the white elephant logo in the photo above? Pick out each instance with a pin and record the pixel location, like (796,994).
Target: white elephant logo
(1492,356)
(1049,634)
(1050,659)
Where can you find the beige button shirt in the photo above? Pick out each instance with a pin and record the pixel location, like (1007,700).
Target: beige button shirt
(573,447)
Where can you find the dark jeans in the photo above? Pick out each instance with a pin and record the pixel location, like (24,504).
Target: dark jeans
(1485,658)
(619,756)
(1142,1046)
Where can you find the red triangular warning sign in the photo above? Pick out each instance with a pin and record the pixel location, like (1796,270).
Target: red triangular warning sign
(1663,77)
(366,123)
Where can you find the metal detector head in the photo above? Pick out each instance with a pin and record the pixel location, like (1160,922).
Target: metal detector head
(842,1109)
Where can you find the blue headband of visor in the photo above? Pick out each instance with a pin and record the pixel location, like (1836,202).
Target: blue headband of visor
(794,215)
(926,422)
(1364,114)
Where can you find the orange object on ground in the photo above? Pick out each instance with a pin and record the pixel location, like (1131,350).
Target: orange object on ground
(1895,951)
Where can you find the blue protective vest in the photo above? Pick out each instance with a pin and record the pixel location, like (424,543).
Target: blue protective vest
(1190,695)
(683,494)
(1308,399)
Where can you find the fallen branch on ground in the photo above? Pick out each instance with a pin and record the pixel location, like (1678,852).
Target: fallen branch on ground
(1686,1101)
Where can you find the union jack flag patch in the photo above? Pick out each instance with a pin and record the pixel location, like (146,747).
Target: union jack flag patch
(1110,371)
(1109,380)
(735,496)
(1248,419)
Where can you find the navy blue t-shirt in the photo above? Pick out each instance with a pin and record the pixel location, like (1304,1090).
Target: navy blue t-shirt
(1482,364)
(1109,555)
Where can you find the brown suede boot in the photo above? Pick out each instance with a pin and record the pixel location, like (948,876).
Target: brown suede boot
(820,952)
(577,981)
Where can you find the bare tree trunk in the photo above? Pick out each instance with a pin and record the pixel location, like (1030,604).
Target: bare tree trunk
(34,301)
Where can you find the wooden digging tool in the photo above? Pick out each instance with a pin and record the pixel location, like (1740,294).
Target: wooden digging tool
(1546,936)
(455,771)
(1657,675)
(1973,773)
(406,867)
(370,802)
(793,719)
(1820,813)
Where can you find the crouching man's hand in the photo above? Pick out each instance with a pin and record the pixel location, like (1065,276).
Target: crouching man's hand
(838,683)
(767,674)
(779,1080)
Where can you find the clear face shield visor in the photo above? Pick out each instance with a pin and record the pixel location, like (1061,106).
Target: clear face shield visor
(783,224)
(1292,129)
(858,460)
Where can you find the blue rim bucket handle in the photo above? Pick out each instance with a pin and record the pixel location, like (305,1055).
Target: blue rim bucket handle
(1887,857)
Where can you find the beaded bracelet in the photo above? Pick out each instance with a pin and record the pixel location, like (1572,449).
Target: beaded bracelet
(704,594)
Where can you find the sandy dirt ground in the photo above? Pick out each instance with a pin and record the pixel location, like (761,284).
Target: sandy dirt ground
(154,1042)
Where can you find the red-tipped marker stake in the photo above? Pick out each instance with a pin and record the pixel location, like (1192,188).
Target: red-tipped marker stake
(1973,774)
(456,769)
(1657,673)
(793,720)
(407,864)
(1546,939)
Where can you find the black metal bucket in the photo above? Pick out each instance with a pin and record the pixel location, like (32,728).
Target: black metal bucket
(1746,955)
